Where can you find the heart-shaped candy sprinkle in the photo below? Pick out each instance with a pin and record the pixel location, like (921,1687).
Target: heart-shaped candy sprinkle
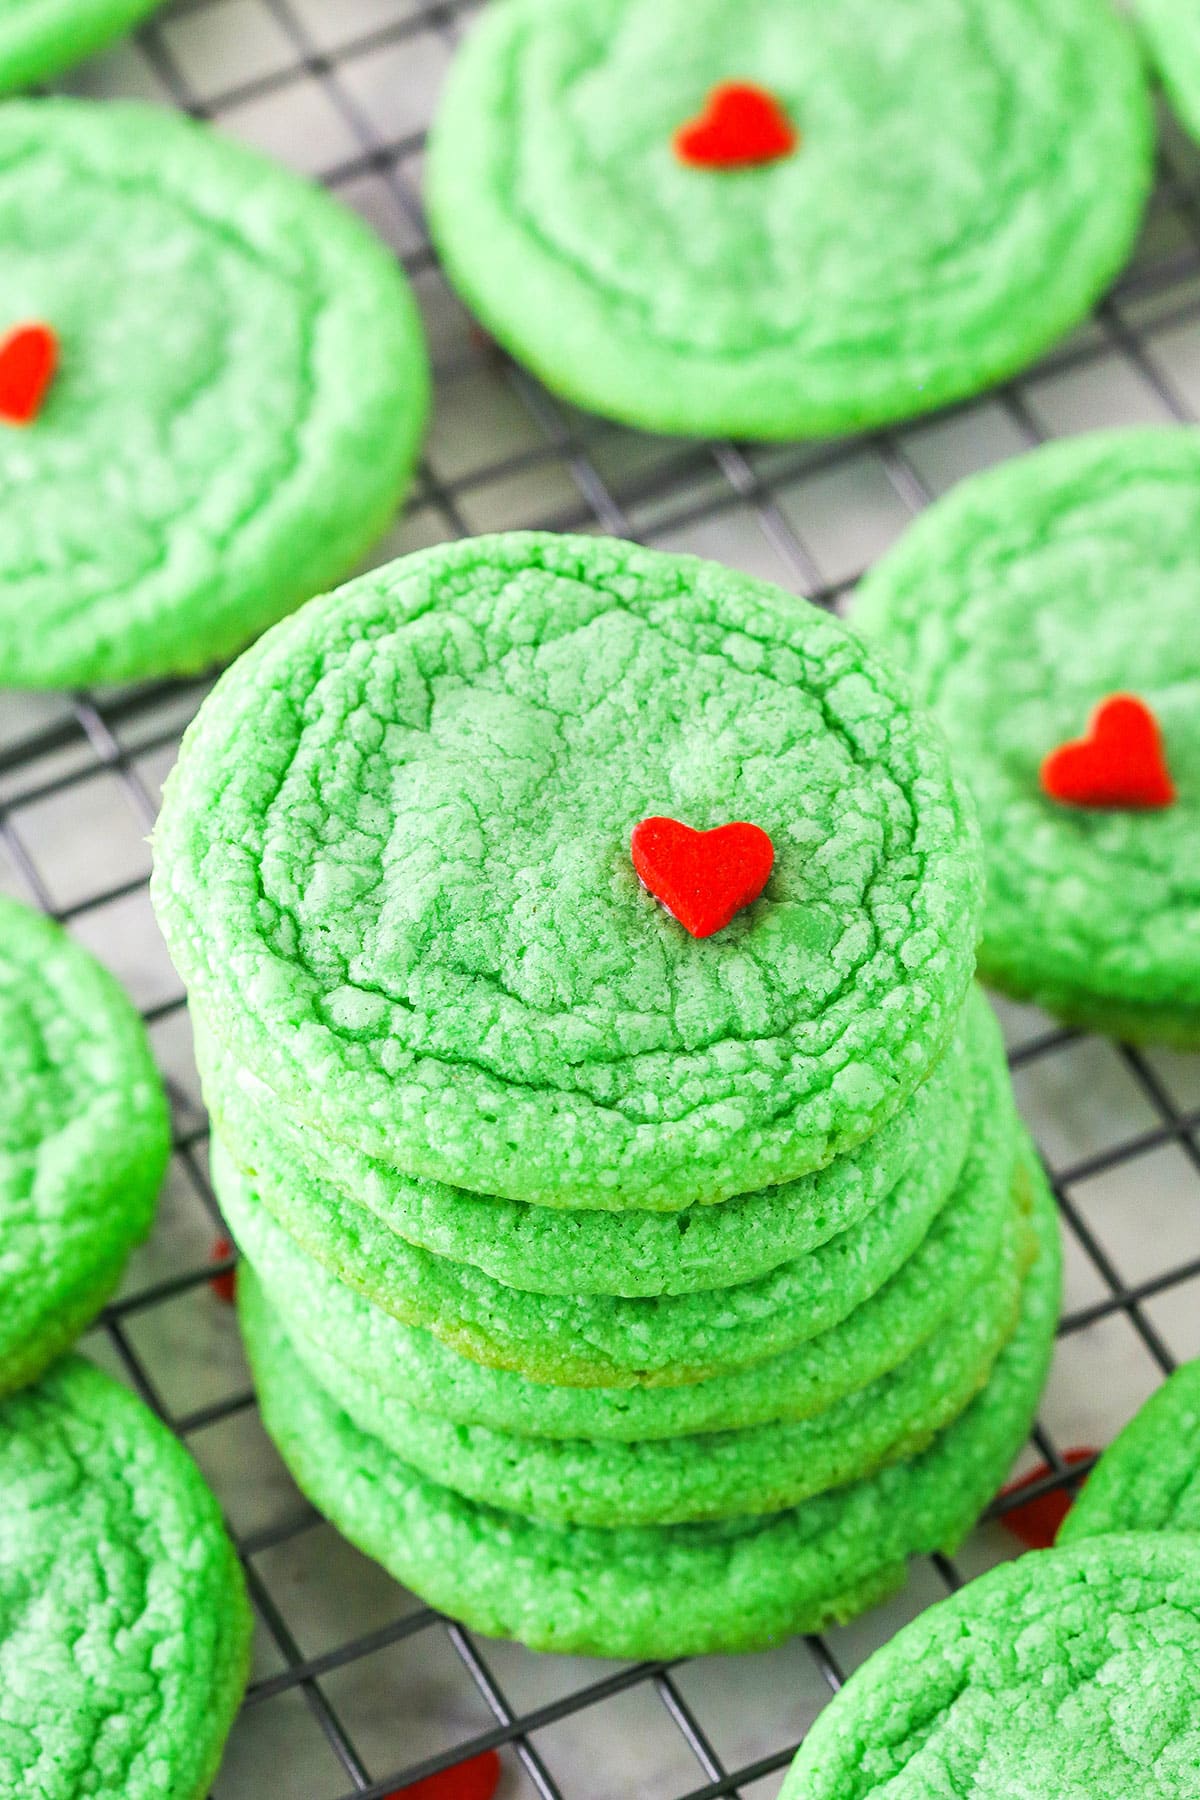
(702,877)
(28,359)
(1118,765)
(741,125)
(475,1779)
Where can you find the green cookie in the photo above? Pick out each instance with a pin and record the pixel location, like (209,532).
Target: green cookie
(84,1139)
(1067,1675)
(553,1250)
(658,1591)
(1171,30)
(124,1627)
(600,1340)
(393,868)
(722,1475)
(1017,604)
(954,1261)
(968,177)
(238,402)
(1149,1478)
(38,38)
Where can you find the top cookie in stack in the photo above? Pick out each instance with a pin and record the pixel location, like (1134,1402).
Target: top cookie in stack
(572,1227)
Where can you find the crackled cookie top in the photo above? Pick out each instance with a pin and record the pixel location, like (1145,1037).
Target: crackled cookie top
(393,867)
(40,37)
(83,1139)
(966,177)
(1018,604)
(215,445)
(1149,1478)
(124,1628)
(1068,1675)
(1171,30)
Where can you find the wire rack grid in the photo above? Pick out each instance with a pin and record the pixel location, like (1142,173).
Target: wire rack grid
(358,1689)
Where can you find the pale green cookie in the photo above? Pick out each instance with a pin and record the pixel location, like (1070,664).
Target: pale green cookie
(124,1626)
(954,1261)
(84,1139)
(1066,1675)
(1149,1478)
(969,176)
(39,38)
(240,393)
(1017,604)
(666,1590)
(721,1475)
(1171,29)
(556,1250)
(393,868)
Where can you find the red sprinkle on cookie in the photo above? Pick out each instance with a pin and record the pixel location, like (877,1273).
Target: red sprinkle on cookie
(28,359)
(1036,1521)
(475,1779)
(1118,765)
(224,1285)
(702,877)
(741,125)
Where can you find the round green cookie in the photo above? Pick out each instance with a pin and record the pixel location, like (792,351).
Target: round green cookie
(1149,1478)
(84,1139)
(1017,603)
(1067,1675)
(555,1250)
(720,1475)
(38,38)
(598,1340)
(969,176)
(240,393)
(955,1259)
(1171,31)
(605,1340)
(124,1626)
(658,1591)
(393,868)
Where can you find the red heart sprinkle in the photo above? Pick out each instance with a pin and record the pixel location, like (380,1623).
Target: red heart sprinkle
(1119,763)
(702,877)
(224,1285)
(474,1779)
(741,124)
(1036,1522)
(28,359)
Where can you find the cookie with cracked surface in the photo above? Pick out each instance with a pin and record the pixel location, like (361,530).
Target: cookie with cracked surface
(967,177)
(214,446)
(1171,32)
(1070,1673)
(659,1590)
(393,869)
(39,38)
(84,1139)
(955,1259)
(713,1475)
(1017,604)
(124,1625)
(561,1250)
(1149,1477)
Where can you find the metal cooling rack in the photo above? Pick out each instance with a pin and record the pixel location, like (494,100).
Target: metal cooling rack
(358,1689)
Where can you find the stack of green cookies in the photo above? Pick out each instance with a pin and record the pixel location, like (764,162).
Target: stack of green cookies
(623,1285)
